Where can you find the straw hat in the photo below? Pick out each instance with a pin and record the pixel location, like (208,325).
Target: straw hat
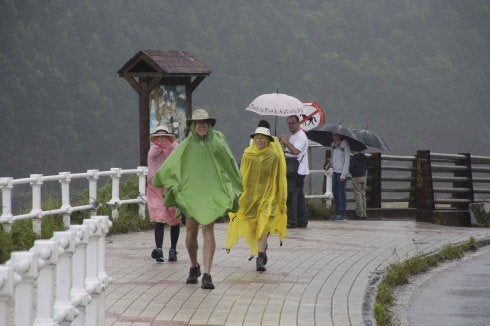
(201,114)
(263,131)
(162,130)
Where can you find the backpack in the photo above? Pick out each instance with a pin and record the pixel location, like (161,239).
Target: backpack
(358,165)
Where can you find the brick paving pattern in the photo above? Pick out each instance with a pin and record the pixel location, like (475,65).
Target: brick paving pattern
(319,276)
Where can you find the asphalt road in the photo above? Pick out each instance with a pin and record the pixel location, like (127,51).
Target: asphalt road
(457,295)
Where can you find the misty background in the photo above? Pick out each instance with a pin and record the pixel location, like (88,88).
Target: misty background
(415,72)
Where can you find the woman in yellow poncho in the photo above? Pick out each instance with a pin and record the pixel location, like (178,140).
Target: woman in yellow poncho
(262,205)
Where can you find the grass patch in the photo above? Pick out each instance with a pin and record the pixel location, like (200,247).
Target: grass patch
(398,274)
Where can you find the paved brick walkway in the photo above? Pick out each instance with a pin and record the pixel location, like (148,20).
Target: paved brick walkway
(320,276)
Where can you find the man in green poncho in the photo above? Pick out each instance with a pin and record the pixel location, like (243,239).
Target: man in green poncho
(202,179)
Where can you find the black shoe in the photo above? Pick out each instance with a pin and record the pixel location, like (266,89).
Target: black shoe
(157,254)
(260,264)
(207,282)
(291,226)
(303,226)
(172,255)
(194,273)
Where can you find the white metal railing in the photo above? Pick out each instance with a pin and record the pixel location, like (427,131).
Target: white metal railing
(64,178)
(63,278)
(328,195)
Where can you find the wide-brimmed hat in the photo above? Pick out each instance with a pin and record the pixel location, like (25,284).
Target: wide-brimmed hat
(162,131)
(263,131)
(201,114)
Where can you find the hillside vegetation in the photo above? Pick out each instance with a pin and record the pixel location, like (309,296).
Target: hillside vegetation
(416,72)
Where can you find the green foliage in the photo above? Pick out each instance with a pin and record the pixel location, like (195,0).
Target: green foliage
(381,315)
(129,223)
(6,245)
(22,235)
(395,67)
(317,209)
(417,265)
(384,295)
(396,275)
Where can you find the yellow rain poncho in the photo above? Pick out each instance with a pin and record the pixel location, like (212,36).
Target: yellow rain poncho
(262,205)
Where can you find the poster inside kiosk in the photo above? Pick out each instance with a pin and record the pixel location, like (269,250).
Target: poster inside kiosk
(167,107)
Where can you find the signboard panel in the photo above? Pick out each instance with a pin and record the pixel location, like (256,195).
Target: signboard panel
(167,107)
(313,117)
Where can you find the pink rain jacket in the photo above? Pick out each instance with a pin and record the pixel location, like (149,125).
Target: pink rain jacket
(158,153)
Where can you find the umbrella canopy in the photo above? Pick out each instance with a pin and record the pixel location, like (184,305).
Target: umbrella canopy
(371,139)
(276,104)
(323,136)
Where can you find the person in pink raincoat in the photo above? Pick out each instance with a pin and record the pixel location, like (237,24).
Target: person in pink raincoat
(162,144)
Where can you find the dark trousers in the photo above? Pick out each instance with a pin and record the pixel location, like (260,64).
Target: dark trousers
(339,195)
(296,203)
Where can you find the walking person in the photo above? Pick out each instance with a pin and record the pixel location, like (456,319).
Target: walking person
(201,179)
(262,205)
(339,162)
(296,146)
(162,144)
(358,169)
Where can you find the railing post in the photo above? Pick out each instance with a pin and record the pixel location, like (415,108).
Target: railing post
(328,188)
(424,191)
(36,203)
(47,251)
(7,202)
(26,265)
(63,308)
(104,279)
(142,173)
(116,178)
(373,191)
(412,194)
(65,179)
(79,296)
(92,282)
(92,190)
(7,291)
(468,183)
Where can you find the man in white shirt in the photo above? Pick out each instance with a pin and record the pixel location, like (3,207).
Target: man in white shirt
(296,145)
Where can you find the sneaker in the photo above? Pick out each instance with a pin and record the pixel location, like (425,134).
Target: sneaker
(207,282)
(334,217)
(194,273)
(260,264)
(157,254)
(341,218)
(172,255)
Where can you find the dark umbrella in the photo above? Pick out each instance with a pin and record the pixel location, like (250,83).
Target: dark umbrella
(371,139)
(323,135)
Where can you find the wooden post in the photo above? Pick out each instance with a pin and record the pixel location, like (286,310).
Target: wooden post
(424,194)
(468,183)
(373,191)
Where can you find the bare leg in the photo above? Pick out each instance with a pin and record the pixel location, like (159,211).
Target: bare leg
(263,243)
(192,229)
(209,246)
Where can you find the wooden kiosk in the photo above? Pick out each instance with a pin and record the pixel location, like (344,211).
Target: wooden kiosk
(164,81)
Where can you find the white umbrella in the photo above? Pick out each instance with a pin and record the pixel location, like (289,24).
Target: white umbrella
(276,104)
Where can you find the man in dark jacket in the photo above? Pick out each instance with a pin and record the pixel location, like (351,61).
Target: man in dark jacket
(357,169)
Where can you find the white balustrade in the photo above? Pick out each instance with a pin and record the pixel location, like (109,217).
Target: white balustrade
(63,279)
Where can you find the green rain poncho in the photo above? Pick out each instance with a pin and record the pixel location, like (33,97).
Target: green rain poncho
(201,177)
